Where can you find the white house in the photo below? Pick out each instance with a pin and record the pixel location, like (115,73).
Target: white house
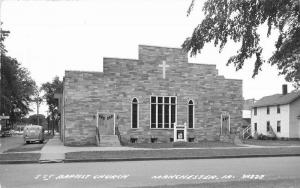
(280,112)
(246,112)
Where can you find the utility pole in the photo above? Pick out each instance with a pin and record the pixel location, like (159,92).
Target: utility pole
(38,101)
(37,110)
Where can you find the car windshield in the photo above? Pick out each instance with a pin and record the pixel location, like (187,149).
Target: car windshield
(36,128)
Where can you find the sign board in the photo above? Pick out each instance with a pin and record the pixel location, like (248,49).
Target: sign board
(180,133)
(4,117)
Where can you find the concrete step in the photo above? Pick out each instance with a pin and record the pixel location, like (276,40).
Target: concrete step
(109,141)
(225,138)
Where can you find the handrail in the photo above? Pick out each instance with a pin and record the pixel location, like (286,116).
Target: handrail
(97,135)
(245,131)
(118,134)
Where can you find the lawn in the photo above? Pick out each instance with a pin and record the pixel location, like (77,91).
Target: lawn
(272,142)
(19,157)
(180,153)
(30,147)
(202,144)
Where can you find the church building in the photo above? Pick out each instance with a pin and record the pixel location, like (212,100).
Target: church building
(141,100)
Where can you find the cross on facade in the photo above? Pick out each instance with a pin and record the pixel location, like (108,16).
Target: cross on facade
(164,66)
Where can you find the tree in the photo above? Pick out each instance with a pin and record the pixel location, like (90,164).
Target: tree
(17,89)
(3,35)
(37,99)
(16,85)
(37,119)
(238,20)
(50,89)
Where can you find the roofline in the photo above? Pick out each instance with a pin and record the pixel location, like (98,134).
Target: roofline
(79,71)
(203,64)
(120,58)
(274,104)
(160,47)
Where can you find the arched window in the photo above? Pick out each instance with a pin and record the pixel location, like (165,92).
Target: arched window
(134,114)
(190,114)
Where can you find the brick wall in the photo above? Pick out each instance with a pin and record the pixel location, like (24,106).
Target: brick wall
(85,93)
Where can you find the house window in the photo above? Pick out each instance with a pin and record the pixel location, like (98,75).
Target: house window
(268,110)
(268,126)
(278,126)
(255,127)
(278,109)
(134,114)
(163,112)
(190,114)
(255,111)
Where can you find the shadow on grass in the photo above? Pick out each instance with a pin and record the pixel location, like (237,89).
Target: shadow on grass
(273,142)
(202,144)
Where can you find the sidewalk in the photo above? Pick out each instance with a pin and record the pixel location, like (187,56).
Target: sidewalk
(54,150)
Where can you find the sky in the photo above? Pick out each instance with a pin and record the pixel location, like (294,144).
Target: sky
(49,37)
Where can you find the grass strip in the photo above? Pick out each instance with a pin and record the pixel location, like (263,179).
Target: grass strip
(180,153)
(20,157)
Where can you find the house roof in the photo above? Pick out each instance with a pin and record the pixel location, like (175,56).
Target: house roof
(277,99)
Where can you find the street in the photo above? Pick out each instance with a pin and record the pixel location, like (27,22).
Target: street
(242,171)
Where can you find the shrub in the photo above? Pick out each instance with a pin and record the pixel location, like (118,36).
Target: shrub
(271,135)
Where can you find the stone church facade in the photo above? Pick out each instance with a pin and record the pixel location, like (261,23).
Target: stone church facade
(142,99)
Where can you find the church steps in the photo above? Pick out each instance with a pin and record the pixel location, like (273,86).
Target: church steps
(109,141)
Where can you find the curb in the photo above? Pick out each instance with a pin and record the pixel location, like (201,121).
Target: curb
(175,158)
(52,161)
(140,159)
(18,162)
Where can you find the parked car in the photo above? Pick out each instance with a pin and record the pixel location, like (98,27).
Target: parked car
(19,132)
(33,133)
(5,132)
(5,128)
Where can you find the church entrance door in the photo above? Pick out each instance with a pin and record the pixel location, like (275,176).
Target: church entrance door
(225,123)
(106,123)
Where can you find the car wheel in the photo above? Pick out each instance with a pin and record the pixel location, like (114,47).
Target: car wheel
(41,141)
(27,142)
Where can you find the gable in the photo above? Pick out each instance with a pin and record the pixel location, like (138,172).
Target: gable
(149,66)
